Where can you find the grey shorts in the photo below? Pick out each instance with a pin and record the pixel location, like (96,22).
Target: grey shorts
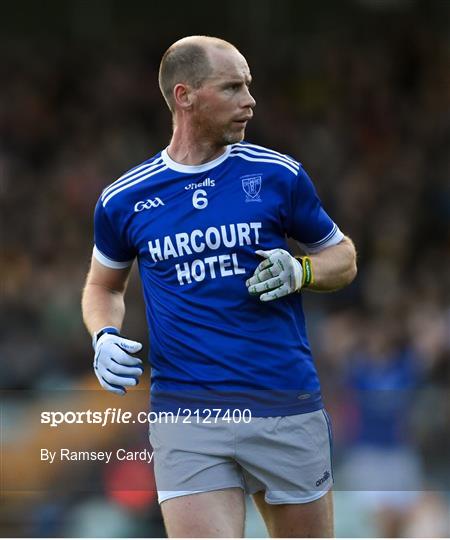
(287,457)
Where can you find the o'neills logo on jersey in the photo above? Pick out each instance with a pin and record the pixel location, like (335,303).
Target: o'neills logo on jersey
(146,205)
(207,182)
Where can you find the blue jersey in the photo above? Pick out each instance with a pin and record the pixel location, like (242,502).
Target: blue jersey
(194,231)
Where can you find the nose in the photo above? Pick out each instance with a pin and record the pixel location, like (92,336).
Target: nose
(249,100)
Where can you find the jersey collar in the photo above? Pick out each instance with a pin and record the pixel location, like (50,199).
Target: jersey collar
(179,167)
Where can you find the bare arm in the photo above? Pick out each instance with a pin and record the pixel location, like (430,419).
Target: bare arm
(334,267)
(103,297)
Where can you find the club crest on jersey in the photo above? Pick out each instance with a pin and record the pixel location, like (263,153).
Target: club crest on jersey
(251,186)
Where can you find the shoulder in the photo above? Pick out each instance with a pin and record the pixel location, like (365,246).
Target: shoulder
(131,179)
(271,158)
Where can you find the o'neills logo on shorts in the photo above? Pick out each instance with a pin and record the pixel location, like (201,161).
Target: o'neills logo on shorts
(324,478)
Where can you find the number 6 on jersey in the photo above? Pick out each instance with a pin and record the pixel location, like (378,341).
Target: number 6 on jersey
(199,199)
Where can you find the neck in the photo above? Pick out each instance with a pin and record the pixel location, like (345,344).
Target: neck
(190,148)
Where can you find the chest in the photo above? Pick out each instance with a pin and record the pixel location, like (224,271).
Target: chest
(214,211)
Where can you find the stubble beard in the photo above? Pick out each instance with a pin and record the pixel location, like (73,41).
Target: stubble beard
(222,135)
(232,137)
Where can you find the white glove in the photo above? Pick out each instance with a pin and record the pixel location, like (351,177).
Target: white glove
(278,275)
(113,364)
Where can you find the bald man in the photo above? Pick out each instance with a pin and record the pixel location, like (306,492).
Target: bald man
(233,379)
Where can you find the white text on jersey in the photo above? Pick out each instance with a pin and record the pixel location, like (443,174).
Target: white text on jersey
(226,265)
(207,182)
(197,241)
(213,238)
(146,205)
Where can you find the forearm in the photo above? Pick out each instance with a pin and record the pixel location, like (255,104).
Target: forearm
(102,307)
(334,267)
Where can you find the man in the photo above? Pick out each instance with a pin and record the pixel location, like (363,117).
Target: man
(207,219)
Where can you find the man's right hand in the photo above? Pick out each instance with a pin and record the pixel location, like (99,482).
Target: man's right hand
(114,364)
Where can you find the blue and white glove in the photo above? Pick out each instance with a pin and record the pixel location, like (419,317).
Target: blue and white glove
(278,275)
(114,364)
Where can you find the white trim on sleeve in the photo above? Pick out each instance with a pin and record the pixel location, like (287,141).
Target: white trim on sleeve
(106,261)
(331,239)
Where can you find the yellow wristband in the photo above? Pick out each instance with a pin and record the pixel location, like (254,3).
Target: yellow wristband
(308,274)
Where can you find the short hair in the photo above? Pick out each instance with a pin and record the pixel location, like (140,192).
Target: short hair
(186,61)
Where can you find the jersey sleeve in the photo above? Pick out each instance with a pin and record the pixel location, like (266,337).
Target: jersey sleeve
(110,247)
(310,225)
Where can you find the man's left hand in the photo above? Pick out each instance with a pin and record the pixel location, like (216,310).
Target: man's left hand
(278,275)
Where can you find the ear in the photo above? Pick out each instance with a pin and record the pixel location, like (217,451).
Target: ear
(183,96)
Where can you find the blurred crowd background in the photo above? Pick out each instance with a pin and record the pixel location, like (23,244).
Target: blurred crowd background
(359,92)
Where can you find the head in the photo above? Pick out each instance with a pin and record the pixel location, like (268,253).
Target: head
(205,82)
